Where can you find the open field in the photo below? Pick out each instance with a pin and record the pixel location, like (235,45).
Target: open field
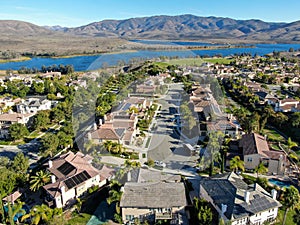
(224,61)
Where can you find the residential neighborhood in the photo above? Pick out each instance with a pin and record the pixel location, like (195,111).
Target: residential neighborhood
(162,144)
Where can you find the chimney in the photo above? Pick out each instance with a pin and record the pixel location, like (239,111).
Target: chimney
(89,136)
(62,189)
(95,126)
(266,137)
(224,208)
(53,179)
(100,122)
(129,176)
(274,194)
(247,196)
(50,164)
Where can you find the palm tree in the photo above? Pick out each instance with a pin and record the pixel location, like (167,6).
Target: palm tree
(13,210)
(290,144)
(39,180)
(108,145)
(261,169)
(38,213)
(291,199)
(236,163)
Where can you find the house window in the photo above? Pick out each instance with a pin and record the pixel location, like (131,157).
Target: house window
(129,217)
(249,159)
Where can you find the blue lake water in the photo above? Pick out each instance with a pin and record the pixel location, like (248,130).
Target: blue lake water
(83,63)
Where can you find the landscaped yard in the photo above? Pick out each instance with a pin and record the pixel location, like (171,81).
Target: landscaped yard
(289,218)
(273,136)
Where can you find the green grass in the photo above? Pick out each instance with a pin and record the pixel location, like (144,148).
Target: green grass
(81,219)
(224,61)
(273,135)
(289,218)
(186,62)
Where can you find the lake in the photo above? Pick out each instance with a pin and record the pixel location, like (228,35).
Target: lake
(84,63)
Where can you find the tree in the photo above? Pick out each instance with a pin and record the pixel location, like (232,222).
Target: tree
(296,217)
(150,162)
(291,144)
(17,131)
(203,211)
(236,163)
(213,147)
(41,120)
(290,200)
(49,144)
(38,213)
(13,210)
(261,169)
(108,145)
(39,180)
(20,166)
(295,119)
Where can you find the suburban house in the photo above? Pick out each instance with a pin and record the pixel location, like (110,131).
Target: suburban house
(119,127)
(71,176)
(8,119)
(153,201)
(255,149)
(237,202)
(227,125)
(33,105)
(286,105)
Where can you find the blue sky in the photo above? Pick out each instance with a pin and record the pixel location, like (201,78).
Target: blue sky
(80,12)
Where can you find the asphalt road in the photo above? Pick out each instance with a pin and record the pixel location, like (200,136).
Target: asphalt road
(166,142)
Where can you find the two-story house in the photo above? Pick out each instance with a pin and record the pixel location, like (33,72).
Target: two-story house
(71,176)
(237,202)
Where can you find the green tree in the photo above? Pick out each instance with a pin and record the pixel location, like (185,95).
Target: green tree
(20,165)
(291,144)
(17,131)
(150,162)
(13,210)
(203,211)
(38,214)
(39,180)
(295,119)
(261,169)
(213,147)
(49,144)
(236,163)
(296,217)
(41,120)
(290,200)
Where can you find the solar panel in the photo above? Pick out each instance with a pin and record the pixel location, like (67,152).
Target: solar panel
(66,168)
(77,179)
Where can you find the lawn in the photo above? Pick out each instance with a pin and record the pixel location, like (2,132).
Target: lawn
(224,61)
(289,218)
(186,62)
(273,136)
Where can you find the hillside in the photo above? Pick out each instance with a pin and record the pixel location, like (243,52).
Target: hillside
(191,27)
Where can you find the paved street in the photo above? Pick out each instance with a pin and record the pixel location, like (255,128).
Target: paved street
(166,142)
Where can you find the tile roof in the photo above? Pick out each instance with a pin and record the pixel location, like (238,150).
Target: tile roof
(14,117)
(229,189)
(105,134)
(153,195)
(253,144)
(67,166)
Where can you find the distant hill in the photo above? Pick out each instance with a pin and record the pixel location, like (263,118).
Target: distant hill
(191,27)
(112,35)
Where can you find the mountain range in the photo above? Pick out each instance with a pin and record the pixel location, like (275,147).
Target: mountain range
(113,35)
(191,27)
(169,27)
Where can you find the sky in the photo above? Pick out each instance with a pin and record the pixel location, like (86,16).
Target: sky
(81,12)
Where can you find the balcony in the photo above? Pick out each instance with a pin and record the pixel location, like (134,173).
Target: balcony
(163,216)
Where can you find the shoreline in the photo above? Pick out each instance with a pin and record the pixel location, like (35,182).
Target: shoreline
(21,59)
